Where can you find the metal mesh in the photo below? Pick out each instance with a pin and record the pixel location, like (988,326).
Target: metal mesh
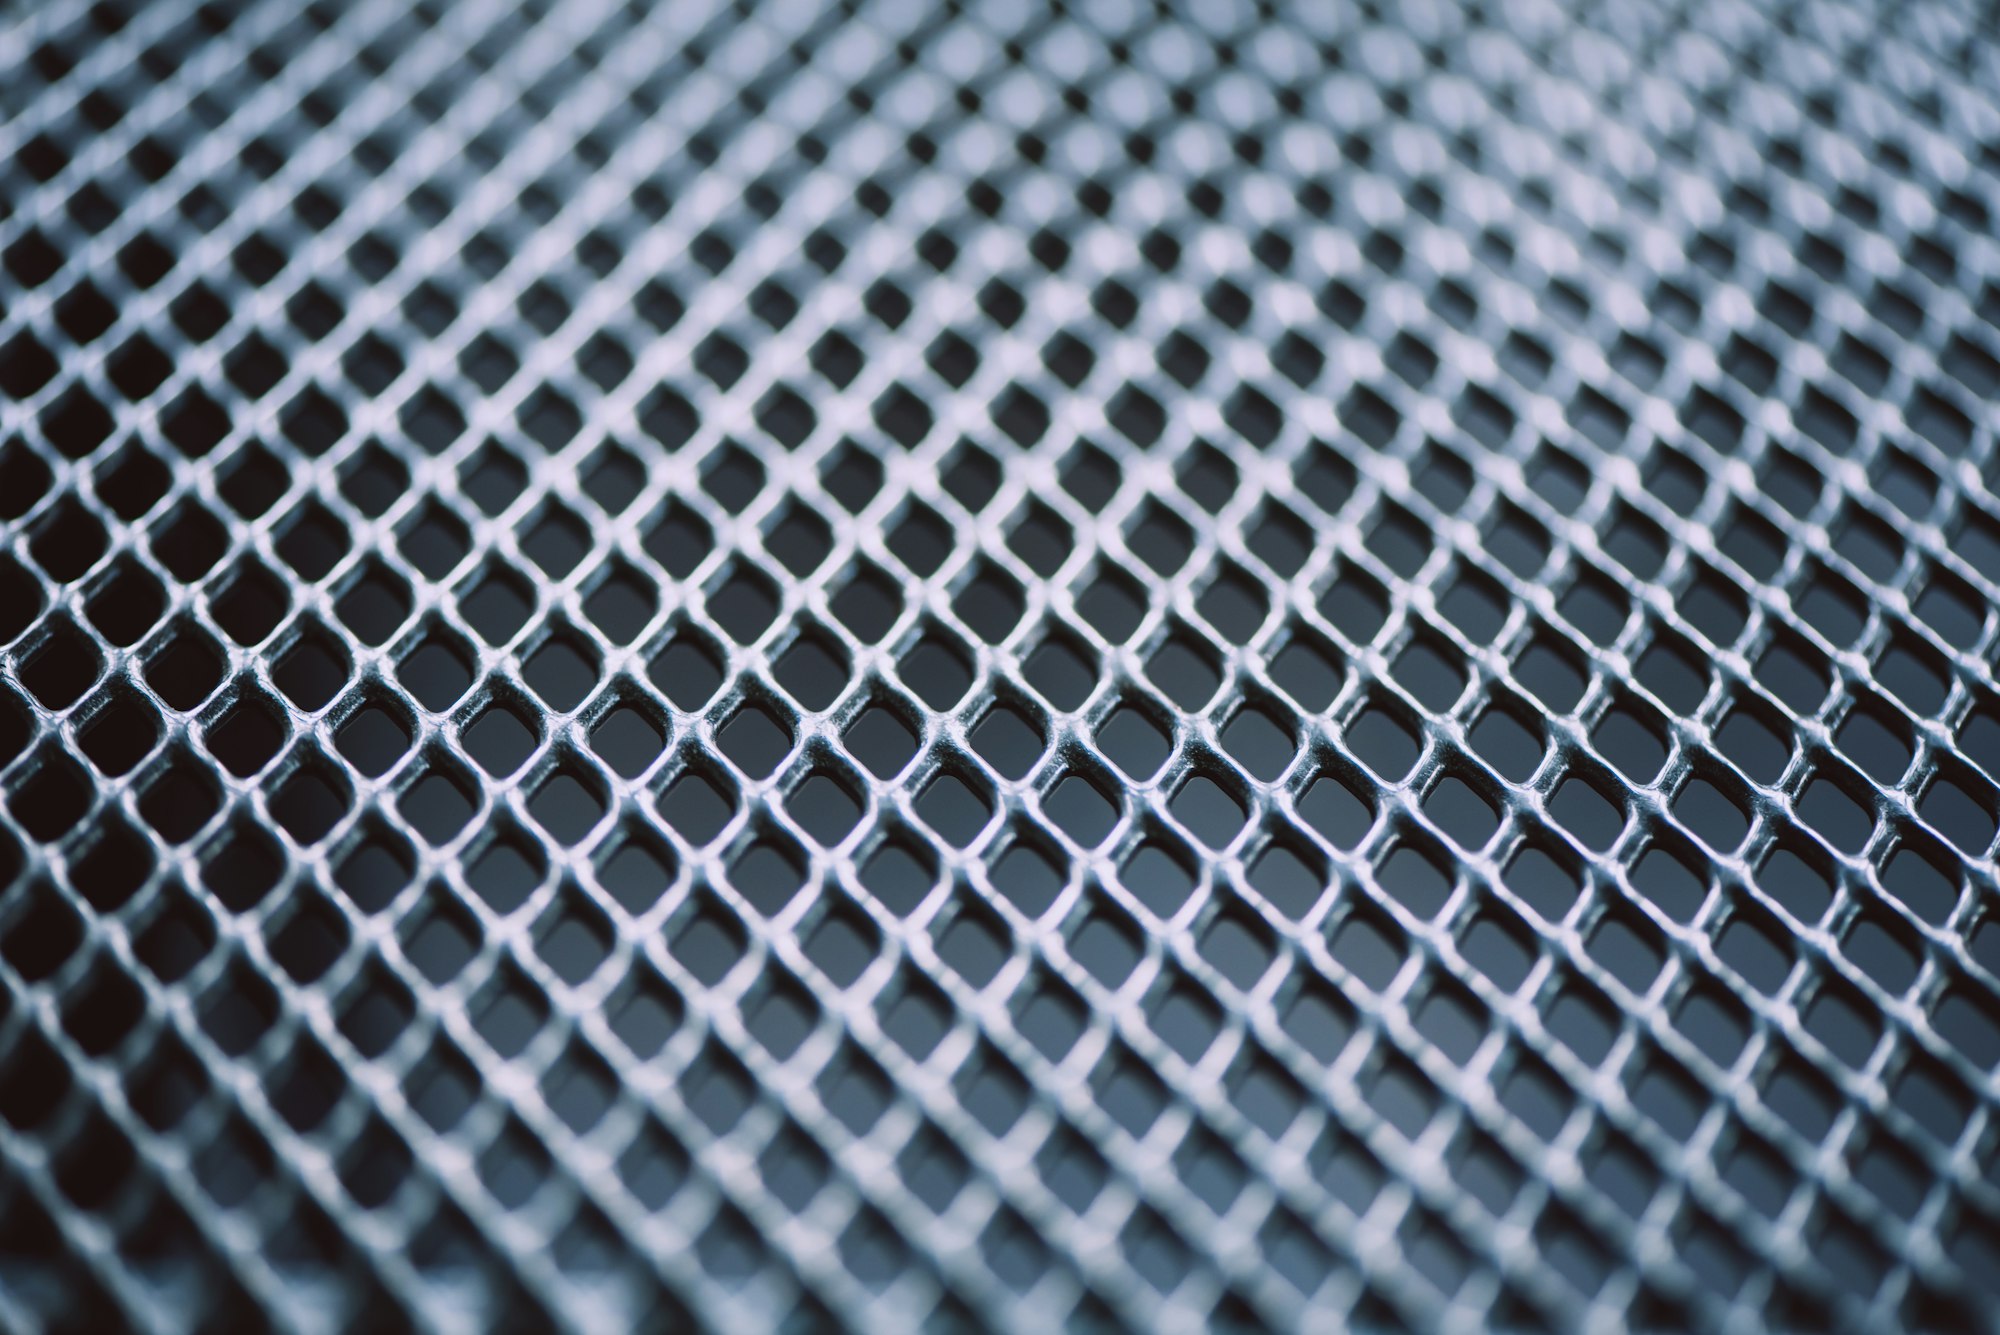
(668,665)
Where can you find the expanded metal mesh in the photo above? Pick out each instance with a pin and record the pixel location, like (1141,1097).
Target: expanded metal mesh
(999,665)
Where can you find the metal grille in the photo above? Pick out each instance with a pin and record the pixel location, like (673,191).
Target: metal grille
(917,665)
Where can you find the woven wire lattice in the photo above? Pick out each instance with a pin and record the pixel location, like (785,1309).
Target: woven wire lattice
(952,666)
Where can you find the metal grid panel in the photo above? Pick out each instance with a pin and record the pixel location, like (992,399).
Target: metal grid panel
(894,666)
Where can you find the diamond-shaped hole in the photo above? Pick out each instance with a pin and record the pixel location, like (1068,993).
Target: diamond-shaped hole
(59,670)
(628,739)
(507,871)
(497,603)
(707,941)
(374,737)
(312,800)
(755,739)
(769,873)
(1064,670)
(843,945)
(645,1012)
(1209,810)
(814,670)
(122,733)
(563,671)
(622,605)
(509,1013)
(955,807)
(311,672)
(867,602)
(1081,810)
(1028,875)
(253,481)
(67,542)
(311,541)
(51,797)
(744,604)
(376,867)
(900,874)
(1261,740)
(1008,739)
(573,939)
(501,738)
(440,803)
(437,670)
(568,804)
(825,806)
(1586,811)
(126,605)
(309,942)
(698,806)
(881,739)
(434,540)
(636,868)
(1135,741)
(250,604)
(689,670)
(180,799)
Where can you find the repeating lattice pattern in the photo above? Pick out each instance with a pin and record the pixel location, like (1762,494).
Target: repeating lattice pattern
(930,665)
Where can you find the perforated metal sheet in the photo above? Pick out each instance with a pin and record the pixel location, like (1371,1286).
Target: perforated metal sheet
(899,666)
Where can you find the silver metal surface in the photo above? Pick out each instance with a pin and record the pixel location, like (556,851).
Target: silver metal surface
(916,666)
